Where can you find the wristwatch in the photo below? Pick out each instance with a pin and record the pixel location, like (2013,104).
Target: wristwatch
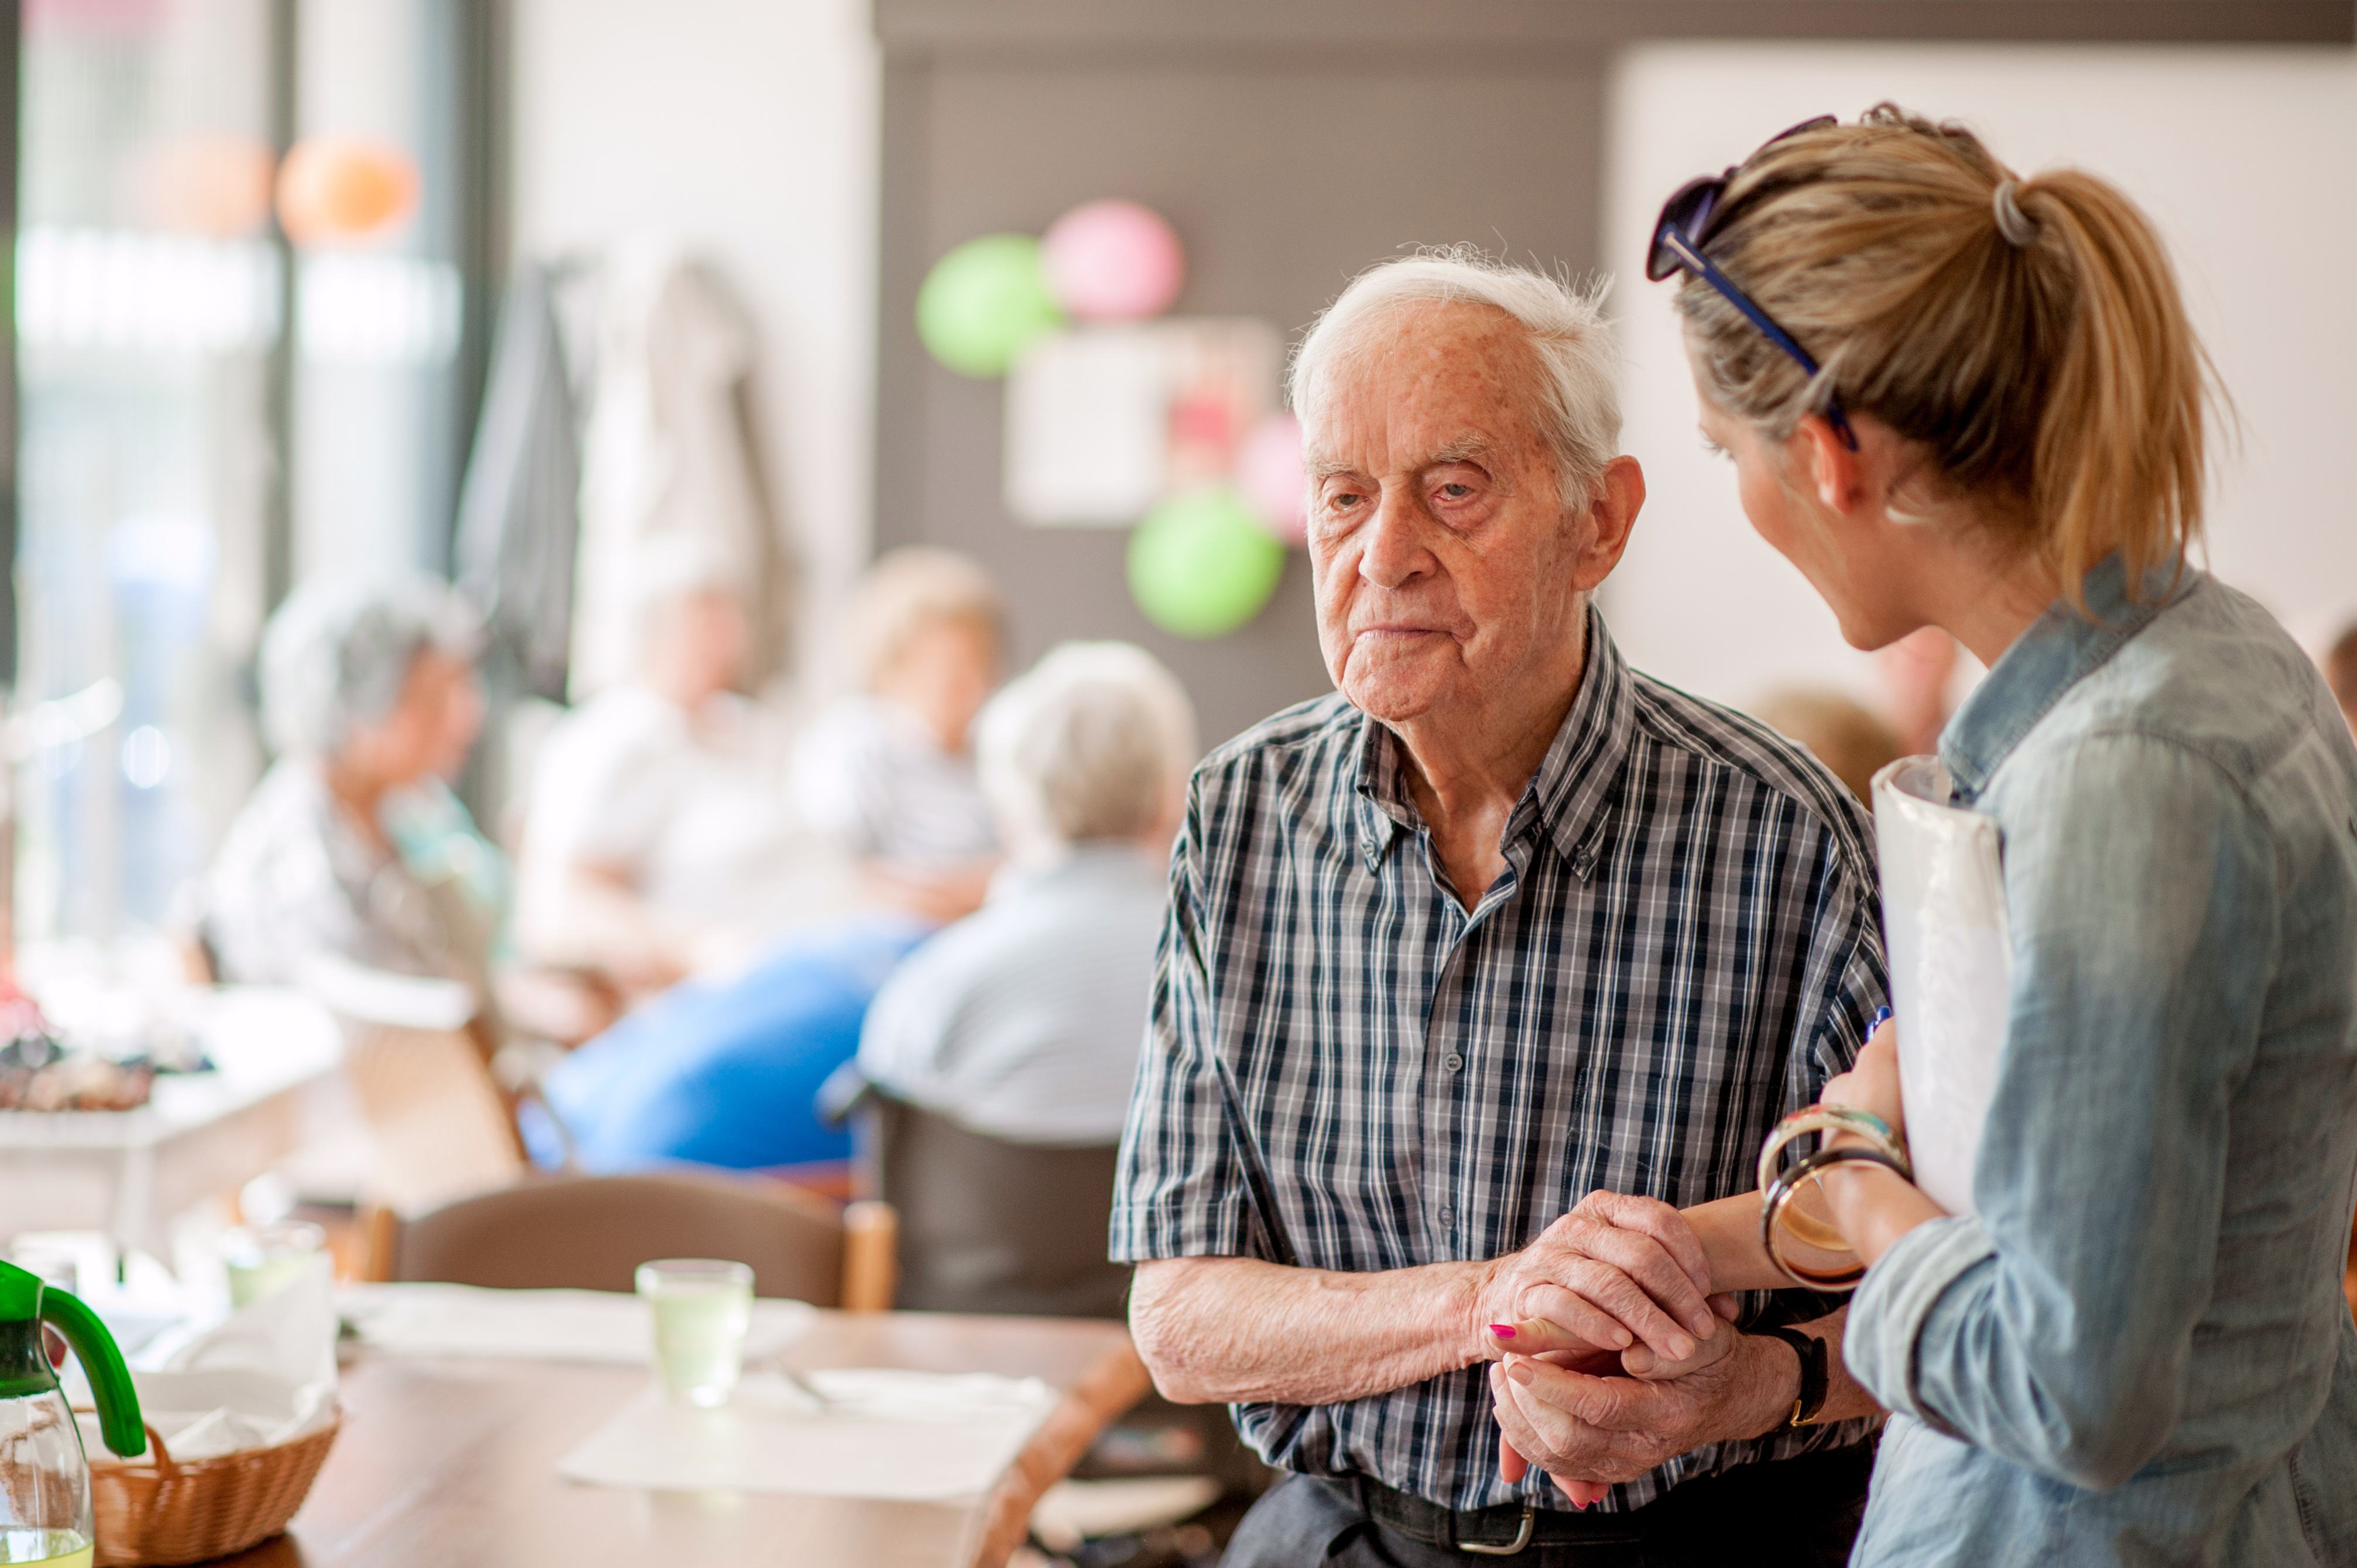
(1814,1379)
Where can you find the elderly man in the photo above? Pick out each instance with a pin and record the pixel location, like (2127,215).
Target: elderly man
(1500,925)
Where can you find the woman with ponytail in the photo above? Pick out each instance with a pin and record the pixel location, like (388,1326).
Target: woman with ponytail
(1956,397)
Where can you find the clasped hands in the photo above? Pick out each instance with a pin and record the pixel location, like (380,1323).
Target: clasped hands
(1610,1355)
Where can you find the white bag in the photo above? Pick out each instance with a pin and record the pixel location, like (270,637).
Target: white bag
(1951,953)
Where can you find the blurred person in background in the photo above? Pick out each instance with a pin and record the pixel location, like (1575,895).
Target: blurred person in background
(1917,671)
(1022,1021)
(1838,731)
(352,871)
(2341,674)
(658,838)
(888,774)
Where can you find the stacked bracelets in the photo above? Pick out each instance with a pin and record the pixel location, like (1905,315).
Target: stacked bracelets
(1778,1188)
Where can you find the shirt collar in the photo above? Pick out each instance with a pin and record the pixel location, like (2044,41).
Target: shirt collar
(2060,649)
(1569,798)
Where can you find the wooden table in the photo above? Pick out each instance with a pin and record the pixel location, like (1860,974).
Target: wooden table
(129,1172)
(453,1463)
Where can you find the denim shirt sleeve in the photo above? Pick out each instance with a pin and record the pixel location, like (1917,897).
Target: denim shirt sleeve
(2055,1329)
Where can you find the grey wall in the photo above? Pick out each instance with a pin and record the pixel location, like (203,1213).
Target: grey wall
(1291,143)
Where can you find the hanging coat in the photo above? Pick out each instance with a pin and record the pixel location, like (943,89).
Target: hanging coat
(669,449)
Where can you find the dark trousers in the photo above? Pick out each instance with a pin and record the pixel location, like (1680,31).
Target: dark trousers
(1791,1513)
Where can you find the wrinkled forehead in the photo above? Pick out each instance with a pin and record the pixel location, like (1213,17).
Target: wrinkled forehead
(1418,381)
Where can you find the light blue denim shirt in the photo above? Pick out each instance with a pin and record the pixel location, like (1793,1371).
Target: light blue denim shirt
(2138,1352)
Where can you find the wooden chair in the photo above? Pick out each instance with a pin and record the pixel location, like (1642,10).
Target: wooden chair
(592,1233)
(440,1126)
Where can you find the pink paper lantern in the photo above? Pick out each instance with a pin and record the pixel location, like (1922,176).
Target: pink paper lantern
(1113,261)
(1270,477)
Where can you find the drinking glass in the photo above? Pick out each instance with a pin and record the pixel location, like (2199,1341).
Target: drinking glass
(702,1307)
(266,1259)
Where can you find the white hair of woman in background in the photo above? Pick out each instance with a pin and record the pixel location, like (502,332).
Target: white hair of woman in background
(888,773)
(658,838)
(1022,1021)
(348,869)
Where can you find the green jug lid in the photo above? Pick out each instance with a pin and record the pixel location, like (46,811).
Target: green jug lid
(20,1294)
(24,1364)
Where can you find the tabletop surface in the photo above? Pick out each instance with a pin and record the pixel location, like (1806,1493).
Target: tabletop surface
(453,1462)
(263,1042)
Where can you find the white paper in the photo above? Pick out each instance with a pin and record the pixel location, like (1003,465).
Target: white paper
(1951,953)
(893,1433)
(602,1328)
(1088,415)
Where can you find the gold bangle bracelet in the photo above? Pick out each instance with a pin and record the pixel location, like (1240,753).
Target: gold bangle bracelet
(1787,1187)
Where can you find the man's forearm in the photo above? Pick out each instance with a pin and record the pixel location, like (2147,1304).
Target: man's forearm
(1234,1329)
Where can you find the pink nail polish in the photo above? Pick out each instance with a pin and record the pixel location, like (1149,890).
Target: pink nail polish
(1502,1330)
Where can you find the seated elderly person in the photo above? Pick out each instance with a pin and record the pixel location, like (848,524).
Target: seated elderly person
(888,773)
(1022,1020)
(1004,1048)
(1499,924)
(368,696)
(658,838)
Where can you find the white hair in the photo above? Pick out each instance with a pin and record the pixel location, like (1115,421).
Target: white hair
(1094,742)
(1578,412)
(338,652)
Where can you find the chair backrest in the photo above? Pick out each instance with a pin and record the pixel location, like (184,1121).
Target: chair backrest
(592,1233)
(992,1226)
(440,1127)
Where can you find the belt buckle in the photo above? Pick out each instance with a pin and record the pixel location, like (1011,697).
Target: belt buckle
(1512,1547)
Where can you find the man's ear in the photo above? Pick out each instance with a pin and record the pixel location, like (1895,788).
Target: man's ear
(1832,468)
(1620,497)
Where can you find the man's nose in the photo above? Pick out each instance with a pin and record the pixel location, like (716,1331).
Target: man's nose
(1394,552)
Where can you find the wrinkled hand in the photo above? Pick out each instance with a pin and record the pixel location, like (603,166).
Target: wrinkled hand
(1873,1084)
(1617,1272)
(1587,1433)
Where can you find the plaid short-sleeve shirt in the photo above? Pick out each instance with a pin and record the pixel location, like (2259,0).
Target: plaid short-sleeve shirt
(1345,1070)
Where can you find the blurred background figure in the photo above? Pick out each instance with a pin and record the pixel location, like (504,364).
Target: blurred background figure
(1021,1022)
(658,837)
(888,774)
(1002,1051)
(352,871)
(1848,739)
(2341,674)
(1917,671)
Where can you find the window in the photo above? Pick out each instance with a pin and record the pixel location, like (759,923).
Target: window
(207,410)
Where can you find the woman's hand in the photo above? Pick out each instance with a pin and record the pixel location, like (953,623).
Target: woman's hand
(1873,1084)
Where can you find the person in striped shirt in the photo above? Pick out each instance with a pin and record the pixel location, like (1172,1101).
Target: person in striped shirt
(1498,925)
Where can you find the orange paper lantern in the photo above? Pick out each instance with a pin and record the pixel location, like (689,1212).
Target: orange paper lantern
(336,188)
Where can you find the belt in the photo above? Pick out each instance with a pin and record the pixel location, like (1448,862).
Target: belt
(1829,1479)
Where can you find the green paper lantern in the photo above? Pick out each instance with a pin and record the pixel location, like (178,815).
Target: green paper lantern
(983,303)
(1202,565)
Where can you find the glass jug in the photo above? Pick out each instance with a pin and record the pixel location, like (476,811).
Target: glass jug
(44,1480)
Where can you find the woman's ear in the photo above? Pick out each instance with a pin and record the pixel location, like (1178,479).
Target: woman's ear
(1832,468)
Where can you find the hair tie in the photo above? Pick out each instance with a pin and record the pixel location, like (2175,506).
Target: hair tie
(2011,222)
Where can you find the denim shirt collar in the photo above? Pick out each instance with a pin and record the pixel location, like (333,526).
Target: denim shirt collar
(2060,649)
(1568,801)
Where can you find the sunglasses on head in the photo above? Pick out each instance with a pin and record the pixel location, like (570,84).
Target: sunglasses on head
(1678,235)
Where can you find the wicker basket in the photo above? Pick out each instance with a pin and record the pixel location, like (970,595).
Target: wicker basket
(157,1510)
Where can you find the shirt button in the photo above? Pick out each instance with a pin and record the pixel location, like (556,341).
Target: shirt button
(1448,1220)
(1453,1062)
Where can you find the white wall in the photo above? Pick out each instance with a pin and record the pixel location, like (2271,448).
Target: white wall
(2242,157)
(748,128)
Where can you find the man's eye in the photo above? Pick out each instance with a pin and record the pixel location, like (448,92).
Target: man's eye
(1343,501)
(1455,492)
(1716,450)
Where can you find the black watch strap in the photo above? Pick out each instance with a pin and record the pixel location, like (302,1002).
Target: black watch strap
(1816,1380)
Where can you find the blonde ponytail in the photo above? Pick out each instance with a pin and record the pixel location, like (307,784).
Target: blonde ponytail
(2027,335)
